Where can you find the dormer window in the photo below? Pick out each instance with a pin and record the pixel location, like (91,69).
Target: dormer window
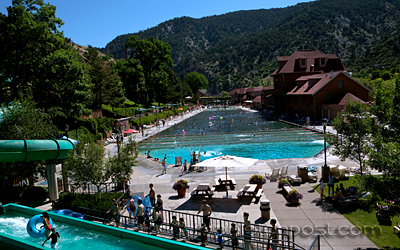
(322,62)
(303,63)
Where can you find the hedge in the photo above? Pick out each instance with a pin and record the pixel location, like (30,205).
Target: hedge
(92,201)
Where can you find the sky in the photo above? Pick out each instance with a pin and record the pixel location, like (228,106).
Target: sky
(98,22)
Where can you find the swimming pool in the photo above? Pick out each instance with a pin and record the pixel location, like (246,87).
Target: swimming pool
(77,234)
(233,132)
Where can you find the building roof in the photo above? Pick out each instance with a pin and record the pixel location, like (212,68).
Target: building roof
(317,82)
(257,99)
(291,64)
(350,97)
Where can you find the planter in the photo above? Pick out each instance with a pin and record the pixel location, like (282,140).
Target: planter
(181,192)
(259,186)
(294,200)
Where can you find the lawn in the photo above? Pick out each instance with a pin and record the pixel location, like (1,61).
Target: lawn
(365,218)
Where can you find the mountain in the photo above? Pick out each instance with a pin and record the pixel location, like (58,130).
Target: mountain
(239,49)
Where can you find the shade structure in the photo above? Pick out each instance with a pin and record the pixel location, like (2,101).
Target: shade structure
(130,131)
(188,97)
(180,108)
(248,101)
(227,161)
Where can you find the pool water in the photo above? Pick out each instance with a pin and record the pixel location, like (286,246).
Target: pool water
(72,237)
(233,132)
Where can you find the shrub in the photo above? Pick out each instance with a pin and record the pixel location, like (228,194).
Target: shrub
(180,184)
(257,179)
(92,201)
(294,194)
(34,194)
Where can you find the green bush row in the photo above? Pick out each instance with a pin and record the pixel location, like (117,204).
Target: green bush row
(92,201)
(152,118)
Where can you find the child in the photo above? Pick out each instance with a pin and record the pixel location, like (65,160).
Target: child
(183,228)
(321,188)
(235,241)
(220,240)
(175,227)
(203,231)
(46,224)
(147,219)
(53,236)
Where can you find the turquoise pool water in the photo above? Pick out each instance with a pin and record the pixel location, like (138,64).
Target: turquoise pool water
(233,132)
(72,237)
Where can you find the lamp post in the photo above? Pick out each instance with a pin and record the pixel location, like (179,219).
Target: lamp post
(66,130)
(76,131)
(325,169)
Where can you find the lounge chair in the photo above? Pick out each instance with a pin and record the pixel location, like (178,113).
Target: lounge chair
(284,172)
(274,175)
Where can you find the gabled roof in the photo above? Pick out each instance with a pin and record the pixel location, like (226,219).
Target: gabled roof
(318,81)
(290,64)
(257,99)
(350,97)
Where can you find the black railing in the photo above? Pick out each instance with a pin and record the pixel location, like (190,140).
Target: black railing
(259,238)
(90,188)
(316,244)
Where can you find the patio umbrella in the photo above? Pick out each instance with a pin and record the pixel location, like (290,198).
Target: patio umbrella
(130,131)
(227,161)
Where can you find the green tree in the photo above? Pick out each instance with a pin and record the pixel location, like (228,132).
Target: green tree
(22,120)
(151,55)
(37,60)
(131,75)
(385,140)
(353,125)
(107,89)
(90,165)
(196,81)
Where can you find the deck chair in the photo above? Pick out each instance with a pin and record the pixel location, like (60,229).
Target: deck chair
(284,172)
(274,175)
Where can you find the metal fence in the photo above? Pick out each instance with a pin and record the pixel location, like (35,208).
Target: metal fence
(259,238)
(90,188)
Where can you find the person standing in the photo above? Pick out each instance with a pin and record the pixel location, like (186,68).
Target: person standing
(321,188)
(247,231)
(235,241)
(53,237)
(164,164)
(46,223)
(274,235)
(159,203)
(184,169)
(115,211)
(139,215)
(157,219)
(331,184)
(152,195)
(206,209)
(131,208)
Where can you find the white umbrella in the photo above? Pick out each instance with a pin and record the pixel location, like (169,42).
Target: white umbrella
(227,161)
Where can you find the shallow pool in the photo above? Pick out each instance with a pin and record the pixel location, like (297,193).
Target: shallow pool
(72,237)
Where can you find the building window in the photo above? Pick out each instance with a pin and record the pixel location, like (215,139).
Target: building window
(328,97)
(303,63)
(340,84)
(323,62)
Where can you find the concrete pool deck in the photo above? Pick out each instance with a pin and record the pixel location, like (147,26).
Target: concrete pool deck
(310,216)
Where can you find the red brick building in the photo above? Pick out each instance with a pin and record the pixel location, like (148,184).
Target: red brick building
(312,84)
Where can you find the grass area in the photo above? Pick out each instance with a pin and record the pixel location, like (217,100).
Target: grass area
(365,219)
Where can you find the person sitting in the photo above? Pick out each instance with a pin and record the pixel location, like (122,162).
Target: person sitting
(343,190)
(339,196)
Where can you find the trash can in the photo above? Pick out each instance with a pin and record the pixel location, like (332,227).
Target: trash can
(178,161)
(325,172)
(303,173)
(265,209)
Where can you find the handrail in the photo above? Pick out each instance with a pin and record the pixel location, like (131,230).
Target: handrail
(317,241)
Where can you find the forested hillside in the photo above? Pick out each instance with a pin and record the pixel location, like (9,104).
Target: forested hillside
(239,49)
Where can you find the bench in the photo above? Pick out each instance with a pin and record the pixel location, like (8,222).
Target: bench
(258,194)
(286,190)
(240,193)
